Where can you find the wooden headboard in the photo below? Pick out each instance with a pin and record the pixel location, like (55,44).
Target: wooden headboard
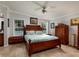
(33,28)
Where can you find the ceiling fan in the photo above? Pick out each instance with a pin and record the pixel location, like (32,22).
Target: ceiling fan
(43,7)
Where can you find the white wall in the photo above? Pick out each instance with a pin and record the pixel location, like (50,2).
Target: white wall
(9,31)
(55,21)
(16,16)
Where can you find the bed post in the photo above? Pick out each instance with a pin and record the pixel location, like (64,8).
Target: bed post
(59,43)
(29,48)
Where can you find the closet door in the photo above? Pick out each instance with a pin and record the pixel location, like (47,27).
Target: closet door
(59,31)
(63,33)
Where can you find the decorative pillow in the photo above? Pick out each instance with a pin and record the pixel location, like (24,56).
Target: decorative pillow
(30,32)
(39,32)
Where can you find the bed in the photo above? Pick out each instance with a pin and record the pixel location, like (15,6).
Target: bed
(36,43)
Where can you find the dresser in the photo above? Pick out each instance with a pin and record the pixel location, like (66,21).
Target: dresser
(62,31)
(1,39)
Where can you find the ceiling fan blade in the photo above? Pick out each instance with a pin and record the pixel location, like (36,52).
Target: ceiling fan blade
(37,4)
(45,4)
(52,6)
(38,9)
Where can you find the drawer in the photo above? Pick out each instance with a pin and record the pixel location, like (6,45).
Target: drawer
(16,39)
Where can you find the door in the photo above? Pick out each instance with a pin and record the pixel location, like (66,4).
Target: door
(78,38)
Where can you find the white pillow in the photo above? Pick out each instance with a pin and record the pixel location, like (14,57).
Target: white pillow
(30,32)
(39,32)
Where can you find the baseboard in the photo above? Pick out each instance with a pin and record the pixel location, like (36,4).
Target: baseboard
(6,45)
(72,46)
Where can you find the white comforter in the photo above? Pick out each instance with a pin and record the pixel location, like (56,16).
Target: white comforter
(39,38)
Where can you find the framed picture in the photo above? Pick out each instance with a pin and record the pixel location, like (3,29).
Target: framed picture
(52,25)
(74,21)
(33,20)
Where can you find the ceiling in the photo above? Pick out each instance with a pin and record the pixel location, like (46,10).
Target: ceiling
(61,8)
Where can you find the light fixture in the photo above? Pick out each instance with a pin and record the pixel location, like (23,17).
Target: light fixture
(1,15)
(44,11)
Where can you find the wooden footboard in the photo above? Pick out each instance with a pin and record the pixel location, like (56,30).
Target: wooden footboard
(39,46)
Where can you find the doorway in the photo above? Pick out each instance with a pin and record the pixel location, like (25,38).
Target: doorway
(1,31)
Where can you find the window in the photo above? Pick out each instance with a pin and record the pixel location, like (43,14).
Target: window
(19,25)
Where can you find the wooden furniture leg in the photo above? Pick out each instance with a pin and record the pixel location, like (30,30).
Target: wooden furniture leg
(29,49)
